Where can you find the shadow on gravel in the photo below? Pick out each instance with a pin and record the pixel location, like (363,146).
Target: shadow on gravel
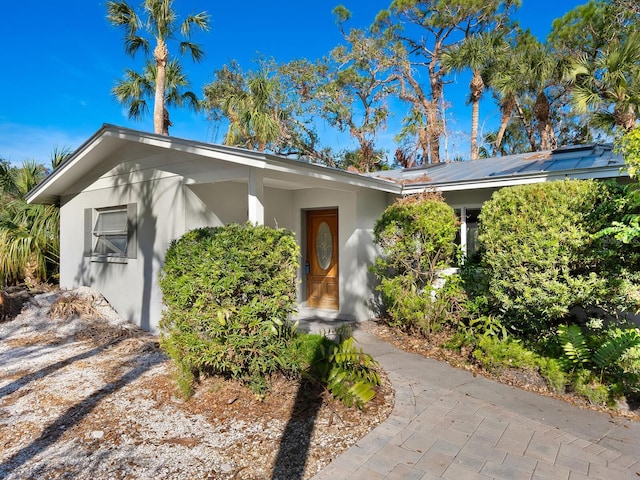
(73,415)
(296,438)
(48,370)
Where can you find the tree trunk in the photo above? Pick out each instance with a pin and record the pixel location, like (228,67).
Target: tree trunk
(527,127)
(433,124)
(161,55)
(624,116)
(541,111)
(166,123)
(506,108)
(476,86)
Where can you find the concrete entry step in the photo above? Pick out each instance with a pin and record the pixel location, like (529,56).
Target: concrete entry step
(330,323)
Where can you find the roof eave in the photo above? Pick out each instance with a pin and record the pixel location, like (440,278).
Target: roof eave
(45,191)
(538,177)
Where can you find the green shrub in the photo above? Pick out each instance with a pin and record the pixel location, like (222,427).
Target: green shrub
(540,257)
(416,236)
(229,292)
(551,370)
(492,352)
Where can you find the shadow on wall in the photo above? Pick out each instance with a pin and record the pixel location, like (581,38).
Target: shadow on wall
(364,289)
(142,187)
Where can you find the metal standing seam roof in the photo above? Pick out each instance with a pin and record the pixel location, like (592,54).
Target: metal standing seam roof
(566,159)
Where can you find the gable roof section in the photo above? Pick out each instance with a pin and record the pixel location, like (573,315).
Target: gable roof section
(586,161)
(104,149)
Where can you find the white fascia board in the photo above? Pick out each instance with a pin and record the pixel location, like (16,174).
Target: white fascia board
(328,174)
(583,174)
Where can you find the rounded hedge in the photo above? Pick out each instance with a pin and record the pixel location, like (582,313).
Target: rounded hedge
(416,236)
(229,292)
(540,254)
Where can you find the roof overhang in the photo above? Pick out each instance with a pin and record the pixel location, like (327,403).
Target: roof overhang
(499,182)
(112,145)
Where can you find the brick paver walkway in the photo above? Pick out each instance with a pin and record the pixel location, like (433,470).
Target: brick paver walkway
(448,424)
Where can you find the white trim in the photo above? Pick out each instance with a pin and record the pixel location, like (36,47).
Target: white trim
(463,230)
(256,196)
(111,140)
(606,172)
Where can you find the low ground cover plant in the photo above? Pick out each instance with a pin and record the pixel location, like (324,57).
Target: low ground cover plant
(229,294)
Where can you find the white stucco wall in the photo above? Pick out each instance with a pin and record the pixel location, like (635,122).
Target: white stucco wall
(132,287)
(167,207)
(215,204)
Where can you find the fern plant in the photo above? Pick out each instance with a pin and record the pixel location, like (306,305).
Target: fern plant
(618,343)
(574,346)
(347,372)
(602,355)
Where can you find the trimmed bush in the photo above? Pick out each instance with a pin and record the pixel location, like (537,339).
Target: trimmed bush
(416,235)
(540,256)
(229,292)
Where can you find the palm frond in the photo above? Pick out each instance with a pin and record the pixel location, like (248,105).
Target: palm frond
(574,345)
(196,52)
(120,14)
(59,155)
(132,44)
(200,20)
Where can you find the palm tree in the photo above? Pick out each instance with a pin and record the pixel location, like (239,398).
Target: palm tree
(476,53)
(59,155)
(161,23)
(521,81)
(254,119)
(29,238)
(251,104)
(134,90)
(608,86)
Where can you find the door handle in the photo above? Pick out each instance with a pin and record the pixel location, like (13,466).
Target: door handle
(307,268)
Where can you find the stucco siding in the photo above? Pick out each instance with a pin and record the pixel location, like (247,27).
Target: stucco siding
(470,198)
(131,287)
(215,204)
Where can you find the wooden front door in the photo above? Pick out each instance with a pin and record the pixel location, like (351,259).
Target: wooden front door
(322,259)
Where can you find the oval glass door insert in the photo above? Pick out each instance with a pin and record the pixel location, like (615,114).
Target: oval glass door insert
(324,246)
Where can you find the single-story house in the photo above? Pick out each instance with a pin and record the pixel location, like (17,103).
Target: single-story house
(124,195)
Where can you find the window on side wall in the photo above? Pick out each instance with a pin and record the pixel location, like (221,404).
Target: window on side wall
(110,233)
(467,236)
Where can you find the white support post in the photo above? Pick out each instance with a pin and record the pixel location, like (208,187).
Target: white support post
(256,196)
(463,230)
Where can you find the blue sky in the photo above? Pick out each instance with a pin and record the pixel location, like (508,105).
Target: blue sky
(61,58)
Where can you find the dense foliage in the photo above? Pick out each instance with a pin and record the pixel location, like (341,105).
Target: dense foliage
(548,294)
(578,85)
(416,237)
(229,293)
(29,234)
(540,257)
